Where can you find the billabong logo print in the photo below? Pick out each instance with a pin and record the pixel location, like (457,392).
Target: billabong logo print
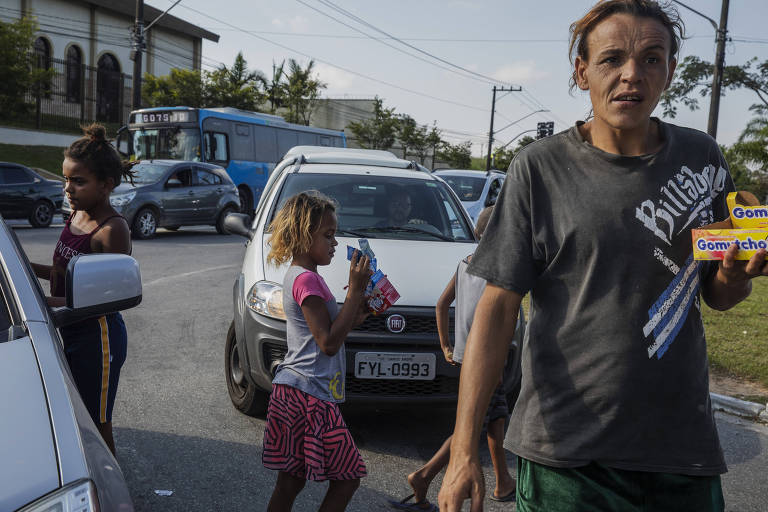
(684,202)
(333,387)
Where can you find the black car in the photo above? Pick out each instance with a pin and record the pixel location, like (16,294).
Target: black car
(173,193)
(24,194)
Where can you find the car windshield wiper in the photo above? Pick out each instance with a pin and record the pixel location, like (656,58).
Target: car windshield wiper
(358,234)
(409,229)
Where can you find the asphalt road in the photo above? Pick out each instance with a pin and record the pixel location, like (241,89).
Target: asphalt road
(176,430)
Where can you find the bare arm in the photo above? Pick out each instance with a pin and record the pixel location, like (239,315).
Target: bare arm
(492,328)
(441,314)
(42,271)
(732,283)
(114,237)
(328,335)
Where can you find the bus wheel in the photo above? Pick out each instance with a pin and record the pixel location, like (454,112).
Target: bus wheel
(246,201)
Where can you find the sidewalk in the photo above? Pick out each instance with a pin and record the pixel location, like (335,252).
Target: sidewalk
(751,410)
(35,138)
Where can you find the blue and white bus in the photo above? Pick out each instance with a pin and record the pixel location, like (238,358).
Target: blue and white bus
(247,144)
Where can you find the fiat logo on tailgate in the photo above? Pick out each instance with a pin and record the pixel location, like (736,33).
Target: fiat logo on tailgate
(395,323)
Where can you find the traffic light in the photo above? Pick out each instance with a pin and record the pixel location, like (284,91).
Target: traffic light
(544,129)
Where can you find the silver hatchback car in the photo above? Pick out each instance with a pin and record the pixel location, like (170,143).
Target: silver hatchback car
(52,458)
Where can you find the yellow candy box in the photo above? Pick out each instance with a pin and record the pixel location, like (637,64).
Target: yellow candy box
(747,227)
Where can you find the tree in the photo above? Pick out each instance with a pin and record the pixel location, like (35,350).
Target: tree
(458,156)
(275,88)
(748,158)
(694,75)
(17,67)
(406,132)
(503,157)
(433,140)
(236,86)
(182,87)
(301,92)
(378,132)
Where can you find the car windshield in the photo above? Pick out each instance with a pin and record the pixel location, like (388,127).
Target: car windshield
(468,188)
(386,207)
(172,143)
(148,172)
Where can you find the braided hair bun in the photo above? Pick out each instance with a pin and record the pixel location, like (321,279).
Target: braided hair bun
(94,151)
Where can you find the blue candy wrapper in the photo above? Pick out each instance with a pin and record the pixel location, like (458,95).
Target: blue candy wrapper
(351,251)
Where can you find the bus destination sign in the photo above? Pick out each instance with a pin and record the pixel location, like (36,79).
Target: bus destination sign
(171,116)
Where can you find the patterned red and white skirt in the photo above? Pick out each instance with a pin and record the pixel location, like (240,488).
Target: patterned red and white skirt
(307,437)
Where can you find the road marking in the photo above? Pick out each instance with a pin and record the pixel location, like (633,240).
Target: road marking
(187,274)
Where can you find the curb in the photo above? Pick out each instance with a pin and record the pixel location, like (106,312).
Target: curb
(739,407)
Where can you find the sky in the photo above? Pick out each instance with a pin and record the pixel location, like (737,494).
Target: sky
(453,52)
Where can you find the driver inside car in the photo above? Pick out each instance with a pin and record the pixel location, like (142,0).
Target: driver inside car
(399,210)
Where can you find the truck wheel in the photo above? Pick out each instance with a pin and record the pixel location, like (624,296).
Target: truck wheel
(245,396)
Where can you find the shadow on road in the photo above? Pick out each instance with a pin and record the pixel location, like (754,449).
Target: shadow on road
(207,474)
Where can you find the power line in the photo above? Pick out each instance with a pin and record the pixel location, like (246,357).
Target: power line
(343,11)
(382,41)
(411,91)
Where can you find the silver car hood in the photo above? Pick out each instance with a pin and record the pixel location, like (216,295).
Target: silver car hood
(419,270)
(29,464)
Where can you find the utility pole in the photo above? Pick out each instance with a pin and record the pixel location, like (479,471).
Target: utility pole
(717,76)
(137,47)
(493,111)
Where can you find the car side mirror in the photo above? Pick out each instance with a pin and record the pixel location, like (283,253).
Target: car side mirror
(99,284)
(490,200)
(173,183)
(238,224)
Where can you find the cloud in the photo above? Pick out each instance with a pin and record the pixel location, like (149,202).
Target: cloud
(520,72)
(338,81)
(298,24)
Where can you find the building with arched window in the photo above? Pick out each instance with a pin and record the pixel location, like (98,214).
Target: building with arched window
(87,43)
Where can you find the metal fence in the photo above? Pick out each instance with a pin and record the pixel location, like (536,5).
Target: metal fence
(77,94)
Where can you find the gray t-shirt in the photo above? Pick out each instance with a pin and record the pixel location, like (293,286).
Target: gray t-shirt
(306,367)
(614,359)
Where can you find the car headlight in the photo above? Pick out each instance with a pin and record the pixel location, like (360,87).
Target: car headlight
(77,497)
(266,298)
(122,199)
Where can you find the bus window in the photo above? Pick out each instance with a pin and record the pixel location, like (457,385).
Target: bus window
(325,141)
(265,144)
(307,139)
(286,139)
(216,149)
(241,144)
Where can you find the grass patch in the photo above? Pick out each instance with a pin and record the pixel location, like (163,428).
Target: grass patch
(737,340)
(45,157)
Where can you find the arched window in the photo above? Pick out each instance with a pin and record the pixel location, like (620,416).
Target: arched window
(42,53)
(43,61)
(108,89)
(74,74)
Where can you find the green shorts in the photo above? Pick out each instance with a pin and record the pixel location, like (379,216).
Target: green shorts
(596,487)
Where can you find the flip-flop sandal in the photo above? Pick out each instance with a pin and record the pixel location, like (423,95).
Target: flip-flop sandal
(507,497)
(416,506)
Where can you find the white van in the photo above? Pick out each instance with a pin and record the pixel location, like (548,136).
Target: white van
(418,256)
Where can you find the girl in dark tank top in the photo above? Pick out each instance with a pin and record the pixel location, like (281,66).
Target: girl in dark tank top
(96,347)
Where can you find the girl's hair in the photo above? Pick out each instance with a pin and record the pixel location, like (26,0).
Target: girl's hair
(482,220)
(295,223)
(95,152)
(663,13)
